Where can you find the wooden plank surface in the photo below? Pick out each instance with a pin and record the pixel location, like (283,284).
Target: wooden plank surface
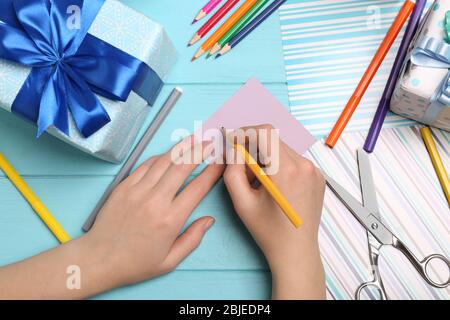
(228,265)
(259,56)
(51,157)
(226,246)
(205,285)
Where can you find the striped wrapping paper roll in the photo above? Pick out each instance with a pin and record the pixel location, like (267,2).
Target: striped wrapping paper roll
(327,46)
(412,205)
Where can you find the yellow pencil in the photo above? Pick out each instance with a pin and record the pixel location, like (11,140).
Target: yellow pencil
(267,183)
(34,201)
(437,161)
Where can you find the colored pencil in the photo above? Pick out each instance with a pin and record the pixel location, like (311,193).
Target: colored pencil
(248,29)
(385,101)
(211,23)
(135,154)
(206,10)
(355,99)
(266,182)
(238,26)
(231,21)
(437,161)
(34,201)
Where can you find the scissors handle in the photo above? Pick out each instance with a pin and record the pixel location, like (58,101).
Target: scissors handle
(422,266)
(375,285)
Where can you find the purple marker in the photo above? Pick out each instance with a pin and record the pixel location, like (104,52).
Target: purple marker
(385,102)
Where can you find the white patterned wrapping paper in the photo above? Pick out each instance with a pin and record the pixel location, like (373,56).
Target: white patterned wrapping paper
(411,203)
(417,85)
(129,31)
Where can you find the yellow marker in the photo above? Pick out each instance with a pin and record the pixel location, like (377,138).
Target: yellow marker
(437,161)
(34,201)
(268,184)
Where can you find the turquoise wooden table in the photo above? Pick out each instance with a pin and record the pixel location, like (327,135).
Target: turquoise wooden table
(227,265)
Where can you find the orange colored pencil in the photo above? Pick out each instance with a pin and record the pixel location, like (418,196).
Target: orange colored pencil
(232,20)
(377,60)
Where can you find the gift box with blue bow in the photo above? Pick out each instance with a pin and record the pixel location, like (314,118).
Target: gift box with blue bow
(423,89)
(85,71)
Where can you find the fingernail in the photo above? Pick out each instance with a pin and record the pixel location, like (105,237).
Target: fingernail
(208,224)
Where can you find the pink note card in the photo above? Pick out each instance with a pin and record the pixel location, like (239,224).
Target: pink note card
(252,105)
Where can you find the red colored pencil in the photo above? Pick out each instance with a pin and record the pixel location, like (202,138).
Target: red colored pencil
(213,21)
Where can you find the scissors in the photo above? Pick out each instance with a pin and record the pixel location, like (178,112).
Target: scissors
(378,234)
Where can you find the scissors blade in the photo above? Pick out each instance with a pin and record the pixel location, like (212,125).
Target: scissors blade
(362,214)
(367,183)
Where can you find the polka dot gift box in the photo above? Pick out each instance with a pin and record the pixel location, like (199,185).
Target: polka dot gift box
(423,89)
(87,73)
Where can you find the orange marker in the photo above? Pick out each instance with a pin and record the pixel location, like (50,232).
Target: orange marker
(354,101)
(232,20)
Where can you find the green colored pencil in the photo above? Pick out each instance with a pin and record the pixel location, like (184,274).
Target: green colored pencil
(238,26)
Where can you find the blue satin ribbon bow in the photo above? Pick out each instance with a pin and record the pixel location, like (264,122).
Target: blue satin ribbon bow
(434,53)
(68,65)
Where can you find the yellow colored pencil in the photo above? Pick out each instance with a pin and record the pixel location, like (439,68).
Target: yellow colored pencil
(267,183)
(437,161)
(33,200)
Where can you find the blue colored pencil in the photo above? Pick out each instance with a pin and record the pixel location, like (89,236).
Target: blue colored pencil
(252,25)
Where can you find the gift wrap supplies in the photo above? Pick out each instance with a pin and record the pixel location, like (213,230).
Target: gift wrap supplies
(423,89)
(88,75)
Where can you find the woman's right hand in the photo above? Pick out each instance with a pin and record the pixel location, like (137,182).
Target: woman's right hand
(292,254)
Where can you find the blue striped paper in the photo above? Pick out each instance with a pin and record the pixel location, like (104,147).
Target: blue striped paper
(327,46)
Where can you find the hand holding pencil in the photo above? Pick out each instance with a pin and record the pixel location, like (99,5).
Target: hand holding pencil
(265,181)
(141,232)
(292,254)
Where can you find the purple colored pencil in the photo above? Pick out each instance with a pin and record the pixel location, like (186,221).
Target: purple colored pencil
(385,101)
